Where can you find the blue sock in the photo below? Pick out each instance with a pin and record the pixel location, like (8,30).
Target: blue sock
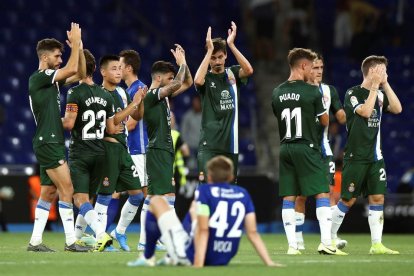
(113,208)
(153,234)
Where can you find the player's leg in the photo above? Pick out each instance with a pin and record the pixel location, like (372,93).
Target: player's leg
(113,209)
(288,190)
(300,220)
(377,184)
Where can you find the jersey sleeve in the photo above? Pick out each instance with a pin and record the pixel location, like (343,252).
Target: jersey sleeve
(249,203)
(45,78)
(152,98)
(353,100)
(335,102)
(202,88)
(319,103)
(202,202)
(72,101)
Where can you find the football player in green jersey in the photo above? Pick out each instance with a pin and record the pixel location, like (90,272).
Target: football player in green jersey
(219,89)
(364,167)
(157,116)
(296,105)
(334,105)
(48,142)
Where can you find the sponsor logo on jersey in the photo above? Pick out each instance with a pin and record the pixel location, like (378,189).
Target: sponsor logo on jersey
(351,188)
(105,182)
(226,101)
(225,94)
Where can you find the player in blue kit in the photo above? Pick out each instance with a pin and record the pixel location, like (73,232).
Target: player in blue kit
(212,235)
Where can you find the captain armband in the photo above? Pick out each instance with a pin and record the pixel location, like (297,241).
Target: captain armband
(72,108)
(203,209)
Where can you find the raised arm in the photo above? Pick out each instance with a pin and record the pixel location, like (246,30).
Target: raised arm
(81,74)
(71,67)
(394,103)
(200,75)
(374,79)
(178,81)
(246,69)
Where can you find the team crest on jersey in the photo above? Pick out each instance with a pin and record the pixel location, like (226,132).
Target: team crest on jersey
(49,72)
(351,188)
(354,101)
(225,94)
(105,182)
(173,182)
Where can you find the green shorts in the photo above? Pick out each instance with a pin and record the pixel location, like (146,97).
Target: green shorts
(363,179)
(49,156)
(205,155)
(160,172)
(85,173)
(330,168)
(118,173)
(302,171)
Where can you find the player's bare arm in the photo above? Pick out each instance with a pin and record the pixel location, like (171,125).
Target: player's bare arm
(324,119)
(81,74)
(71,67)
(188,79)
(340,116)
(394,103)
(246,69)
(372,83)
(176,83)
(200,75)
(138,113)
(131,124)
(70,118)
(256,240)
(201,240)
(131,108)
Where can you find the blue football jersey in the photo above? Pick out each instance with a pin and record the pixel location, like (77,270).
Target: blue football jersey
(228,205)
(137,138)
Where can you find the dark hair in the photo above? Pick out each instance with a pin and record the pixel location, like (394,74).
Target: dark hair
(48,45)
(90,62)
(162,67)
(319,56)
(103,62)
(297,54)
(219,45)
(220,169)
(133,59)
(372,61)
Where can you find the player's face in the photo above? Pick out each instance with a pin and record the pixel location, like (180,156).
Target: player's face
(124,68)
(166,78)
(53,59)
(317,71)
(112,72)
(217,62)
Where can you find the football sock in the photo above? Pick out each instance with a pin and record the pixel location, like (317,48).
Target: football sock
(112,211)
(288,217)
(92,218)
(338,216)
(376,222)
(143,216)
(101,207)
(80,226)
(128,212)
(153,234)
(324,216)
(66,215)
(41,216)
(300,220)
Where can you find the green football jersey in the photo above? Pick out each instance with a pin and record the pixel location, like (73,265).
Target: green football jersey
(94,106)
(44,96)
(158,119)
(364,137)
(220,95)
(297,105)
(121,100)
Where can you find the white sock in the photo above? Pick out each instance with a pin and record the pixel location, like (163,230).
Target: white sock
(94,221)
(376,224)
(102,211)
(143,216)
(80,226)
(41,216)
(288,217)
(66,215)
(300,220)
(324,216)
(128,213)
(337,219)
(172,234)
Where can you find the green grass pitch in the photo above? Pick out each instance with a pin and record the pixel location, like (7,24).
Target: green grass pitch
(15,260)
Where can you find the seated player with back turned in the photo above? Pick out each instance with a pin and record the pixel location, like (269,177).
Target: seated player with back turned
(216,224)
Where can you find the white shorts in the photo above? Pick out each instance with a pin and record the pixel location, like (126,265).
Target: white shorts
(140,161)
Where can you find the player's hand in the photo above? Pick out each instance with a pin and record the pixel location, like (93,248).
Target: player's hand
(273,264)
(119,128)
(179,55)
(74,35)
(209,41)
(385,78)
(139,95)
(232,34)
(376,75)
